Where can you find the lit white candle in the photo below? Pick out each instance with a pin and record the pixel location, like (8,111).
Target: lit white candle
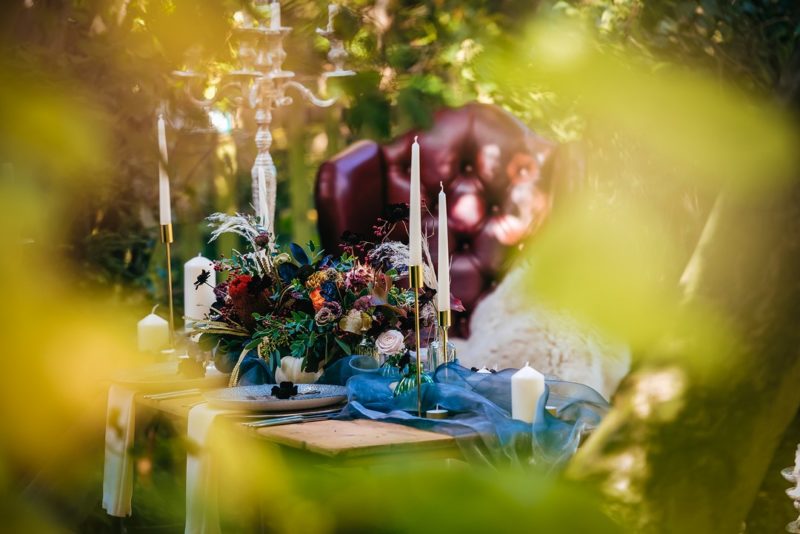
(262,211)
(165,213)
(415,213)
(527,387)
(275,16)
(197,302)
(443,290)
(153,333)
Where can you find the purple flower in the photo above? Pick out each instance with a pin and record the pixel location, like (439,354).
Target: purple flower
(334,307)
(363,303)
(328,313)
(359,276)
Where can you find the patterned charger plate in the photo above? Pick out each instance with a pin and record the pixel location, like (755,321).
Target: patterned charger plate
(260,399)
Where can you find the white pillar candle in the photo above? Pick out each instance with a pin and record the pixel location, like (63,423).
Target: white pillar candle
(415,219)
(197,302)
(165,213)
(527,387)
(153,333)
(443,290)
(275,16)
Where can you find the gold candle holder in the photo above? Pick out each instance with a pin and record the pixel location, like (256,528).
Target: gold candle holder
(166,238)
(415,280)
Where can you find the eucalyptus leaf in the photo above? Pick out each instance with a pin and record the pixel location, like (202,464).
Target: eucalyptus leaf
(344,346)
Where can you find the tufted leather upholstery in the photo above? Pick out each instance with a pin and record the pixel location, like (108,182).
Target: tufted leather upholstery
(490,165)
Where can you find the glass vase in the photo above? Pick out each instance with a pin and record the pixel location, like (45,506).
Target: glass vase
(409,382)
(366,348)
(437,356)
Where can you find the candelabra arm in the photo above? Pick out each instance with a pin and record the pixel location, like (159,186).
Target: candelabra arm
(205,103)
(202,103)
(310,96)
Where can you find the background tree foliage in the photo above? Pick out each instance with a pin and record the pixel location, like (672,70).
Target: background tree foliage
(107,63)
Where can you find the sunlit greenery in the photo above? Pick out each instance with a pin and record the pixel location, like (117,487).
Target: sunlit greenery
(681,114)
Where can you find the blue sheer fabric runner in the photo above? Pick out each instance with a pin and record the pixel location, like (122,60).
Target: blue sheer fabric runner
(479,406)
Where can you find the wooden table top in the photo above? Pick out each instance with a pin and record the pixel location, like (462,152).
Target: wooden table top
(359,438)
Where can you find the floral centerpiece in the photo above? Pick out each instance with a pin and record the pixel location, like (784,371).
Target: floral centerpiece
(289,314)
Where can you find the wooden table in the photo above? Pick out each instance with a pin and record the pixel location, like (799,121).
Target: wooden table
(357,441)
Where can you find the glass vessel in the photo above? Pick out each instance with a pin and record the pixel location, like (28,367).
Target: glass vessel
(409,382)
(437,355)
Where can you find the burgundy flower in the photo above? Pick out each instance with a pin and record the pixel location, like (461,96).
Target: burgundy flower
(351,238)
(359,276)
(262,239)
(238,286)
(395,213)
(363,303)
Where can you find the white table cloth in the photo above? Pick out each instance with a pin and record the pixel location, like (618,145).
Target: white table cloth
(202,513)
(118,465)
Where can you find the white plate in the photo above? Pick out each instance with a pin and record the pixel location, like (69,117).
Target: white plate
(165,377)
(259,398)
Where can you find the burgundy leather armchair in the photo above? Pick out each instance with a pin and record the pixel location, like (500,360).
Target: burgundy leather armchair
(491,167)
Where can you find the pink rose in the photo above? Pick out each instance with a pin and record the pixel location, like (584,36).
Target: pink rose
(390,343)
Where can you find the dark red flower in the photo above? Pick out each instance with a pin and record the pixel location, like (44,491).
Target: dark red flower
(237,287)
(395,213)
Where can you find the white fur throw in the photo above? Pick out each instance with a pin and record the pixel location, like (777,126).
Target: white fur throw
(507,330)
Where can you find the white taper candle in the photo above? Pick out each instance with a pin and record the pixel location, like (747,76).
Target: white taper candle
(165,212)
(415,207)
(443,290)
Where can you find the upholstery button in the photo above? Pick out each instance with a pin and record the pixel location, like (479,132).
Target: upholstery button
(495,208)
(465,246)
(468,168)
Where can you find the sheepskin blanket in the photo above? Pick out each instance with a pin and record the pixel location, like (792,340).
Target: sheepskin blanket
(507,330)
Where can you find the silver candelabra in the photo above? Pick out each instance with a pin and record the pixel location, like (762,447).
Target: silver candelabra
(261,83)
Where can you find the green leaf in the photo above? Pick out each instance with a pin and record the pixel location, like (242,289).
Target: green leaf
(344,346)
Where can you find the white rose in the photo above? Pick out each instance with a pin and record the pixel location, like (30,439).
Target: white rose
(390,343)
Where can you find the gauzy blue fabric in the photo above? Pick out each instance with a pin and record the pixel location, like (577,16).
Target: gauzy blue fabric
(480,412)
